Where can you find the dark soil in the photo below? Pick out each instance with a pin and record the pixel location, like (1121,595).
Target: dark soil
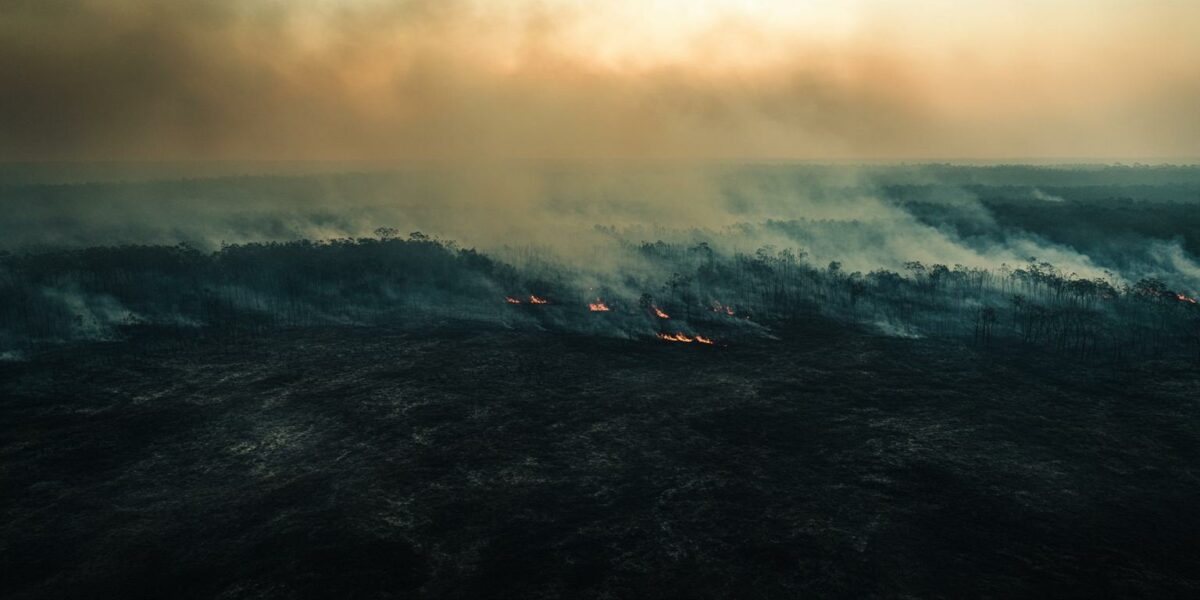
(360,463)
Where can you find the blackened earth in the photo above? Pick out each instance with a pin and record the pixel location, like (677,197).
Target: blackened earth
(363,463)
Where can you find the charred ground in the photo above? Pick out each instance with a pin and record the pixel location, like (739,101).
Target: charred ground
(926,381)
(455,462)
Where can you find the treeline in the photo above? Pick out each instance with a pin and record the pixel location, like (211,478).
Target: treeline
(389,279)
(94,291)
(1034,304)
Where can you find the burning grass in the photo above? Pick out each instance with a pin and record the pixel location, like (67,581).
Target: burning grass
(680,337)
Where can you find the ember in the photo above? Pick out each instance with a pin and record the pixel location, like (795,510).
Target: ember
(720,308)
(598,306)
(511,300)
(1187,299)
(537,300)
(704,340)
(658,312)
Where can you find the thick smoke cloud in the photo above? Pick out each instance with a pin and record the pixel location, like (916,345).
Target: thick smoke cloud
(579,217)
(456,80)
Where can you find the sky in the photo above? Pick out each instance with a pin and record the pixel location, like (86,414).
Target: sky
(494,80)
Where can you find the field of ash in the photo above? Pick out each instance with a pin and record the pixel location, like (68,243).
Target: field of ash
(356,462)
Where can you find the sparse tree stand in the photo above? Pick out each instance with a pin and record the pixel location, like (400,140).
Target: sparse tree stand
(984,321)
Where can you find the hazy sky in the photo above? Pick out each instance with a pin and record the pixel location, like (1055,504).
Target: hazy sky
(619,79)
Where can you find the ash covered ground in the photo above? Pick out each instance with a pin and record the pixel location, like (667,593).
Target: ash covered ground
(358,462)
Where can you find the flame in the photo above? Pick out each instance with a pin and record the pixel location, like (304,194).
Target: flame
(598,306)
(537,300)
(675,337)
(658,312)
(1187,299)
(511,300)
(680,337)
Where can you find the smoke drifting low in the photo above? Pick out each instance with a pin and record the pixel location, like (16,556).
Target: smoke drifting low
(729,252)
(865,218)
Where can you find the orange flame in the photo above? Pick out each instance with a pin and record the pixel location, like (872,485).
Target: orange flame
(598,306)
(675,337)
(537,300)
(511,300)
(658,312)
(704,340)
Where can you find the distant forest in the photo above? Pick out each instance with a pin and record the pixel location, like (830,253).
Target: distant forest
(102,292)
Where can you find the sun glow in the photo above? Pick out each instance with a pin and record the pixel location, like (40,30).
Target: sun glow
(636,35)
